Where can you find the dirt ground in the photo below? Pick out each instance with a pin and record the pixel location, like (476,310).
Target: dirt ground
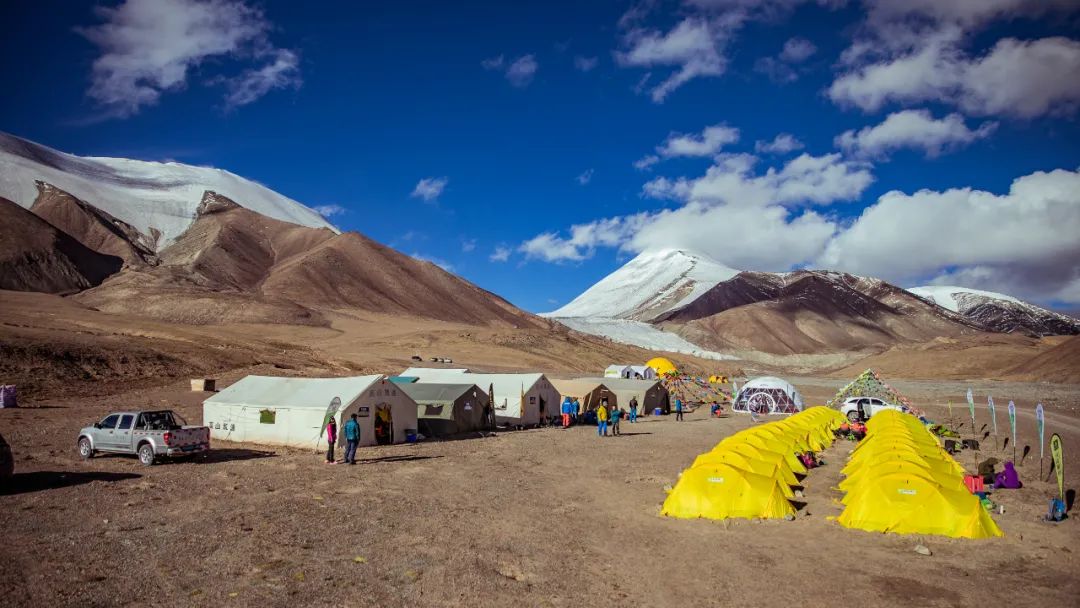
(541,517)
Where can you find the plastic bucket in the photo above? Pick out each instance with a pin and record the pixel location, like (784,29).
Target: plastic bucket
(657,412)
(410,435)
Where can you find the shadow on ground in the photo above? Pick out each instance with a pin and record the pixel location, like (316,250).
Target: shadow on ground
(38,481)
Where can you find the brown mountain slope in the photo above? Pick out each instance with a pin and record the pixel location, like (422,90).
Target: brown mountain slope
(234,265)
(1060,363)
(91,226)
(36,256)
(807,312)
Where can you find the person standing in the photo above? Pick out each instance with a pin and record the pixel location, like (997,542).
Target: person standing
(601,419)
(567,408)
(331,437)
(633,409)
(678,409)
(352,439)
(616,416)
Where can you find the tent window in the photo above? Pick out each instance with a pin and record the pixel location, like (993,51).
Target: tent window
(267,416)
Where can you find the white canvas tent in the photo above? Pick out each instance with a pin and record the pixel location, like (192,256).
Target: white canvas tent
(518,398)
(618,371)
(768,395)
(291,411)
(651,394)
(646,372)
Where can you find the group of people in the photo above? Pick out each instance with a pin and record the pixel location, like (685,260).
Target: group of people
(610,416)
(351,436)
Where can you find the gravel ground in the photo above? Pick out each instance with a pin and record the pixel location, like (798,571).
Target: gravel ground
(541,517)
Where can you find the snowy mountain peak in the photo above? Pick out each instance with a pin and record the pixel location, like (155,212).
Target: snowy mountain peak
(998,311)
(153,197)
(654,282)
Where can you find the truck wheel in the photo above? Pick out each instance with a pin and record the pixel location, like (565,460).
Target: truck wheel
(853,416)
(146,454)
(86,451)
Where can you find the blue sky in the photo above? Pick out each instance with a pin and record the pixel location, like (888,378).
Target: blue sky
(353,105)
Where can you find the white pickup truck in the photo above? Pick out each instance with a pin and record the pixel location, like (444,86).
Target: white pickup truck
(147,434)
(863,408)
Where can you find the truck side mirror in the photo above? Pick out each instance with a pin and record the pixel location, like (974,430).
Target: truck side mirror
(97,425)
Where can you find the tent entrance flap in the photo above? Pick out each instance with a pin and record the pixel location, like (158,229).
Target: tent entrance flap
(384,424)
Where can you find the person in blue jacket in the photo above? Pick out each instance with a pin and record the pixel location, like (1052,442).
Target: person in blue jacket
(567,410)
(352,439)
(678,409)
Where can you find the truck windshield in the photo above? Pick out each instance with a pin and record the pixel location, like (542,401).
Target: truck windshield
(157,421)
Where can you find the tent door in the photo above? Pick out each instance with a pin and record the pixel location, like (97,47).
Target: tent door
(384,424)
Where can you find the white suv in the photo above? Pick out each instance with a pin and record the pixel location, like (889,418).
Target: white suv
(862,408)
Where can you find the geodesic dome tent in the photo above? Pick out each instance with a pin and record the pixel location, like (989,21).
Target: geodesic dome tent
(768,395)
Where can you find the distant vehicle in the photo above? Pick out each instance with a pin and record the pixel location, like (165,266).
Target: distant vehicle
(149,435)
(863,408)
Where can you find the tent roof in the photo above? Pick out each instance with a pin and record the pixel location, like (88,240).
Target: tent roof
(419,371)
(624,383)
(438,393)
(617,366)
(870,384)
(770,382)
(507,387)
(316,393)
(579,387)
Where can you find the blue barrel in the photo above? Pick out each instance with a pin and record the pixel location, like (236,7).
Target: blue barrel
(657,412)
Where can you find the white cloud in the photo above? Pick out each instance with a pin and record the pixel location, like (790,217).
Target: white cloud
(586,64)
(916,129)
(430,188)
(283,72)
(518,72)
(468,245)
(447,266)
(797,50)
(917,52)
(493,63)
(758,210)
(1023,242)
(148,48)
(781,144)
(585,177)
(693,46)
(329,210)
(501,254)
(805,179)
(646,162)
(781,69)
(707,143)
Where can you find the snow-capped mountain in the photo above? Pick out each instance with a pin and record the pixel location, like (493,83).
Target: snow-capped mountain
(999,312)
(653,283)
(158,199)
(675,295)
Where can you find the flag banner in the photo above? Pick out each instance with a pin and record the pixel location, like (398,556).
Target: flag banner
(1012,421)
(331,410)
(1040,424)
(971,405)
(1059,467)
(993,413)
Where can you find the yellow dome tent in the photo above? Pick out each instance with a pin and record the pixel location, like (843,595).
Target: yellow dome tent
(662,366)
(722,491)
(775,469)
(902,503)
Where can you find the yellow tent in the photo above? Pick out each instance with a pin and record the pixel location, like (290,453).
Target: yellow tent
(757,453)
(662,365)
(902,503)
(722,491)
(776,469)
(865,475)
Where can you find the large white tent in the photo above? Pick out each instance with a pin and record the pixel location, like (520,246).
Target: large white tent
(292,411)
(768,395)
(518,398)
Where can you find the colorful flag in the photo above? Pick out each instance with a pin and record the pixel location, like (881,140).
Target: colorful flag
(331,410)
(993,413)
(1040,423)
(1012,421)
(1059,467)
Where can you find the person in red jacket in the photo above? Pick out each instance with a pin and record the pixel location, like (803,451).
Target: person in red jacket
(331,437)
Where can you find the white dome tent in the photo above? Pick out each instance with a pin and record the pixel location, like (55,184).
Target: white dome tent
(768,395)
